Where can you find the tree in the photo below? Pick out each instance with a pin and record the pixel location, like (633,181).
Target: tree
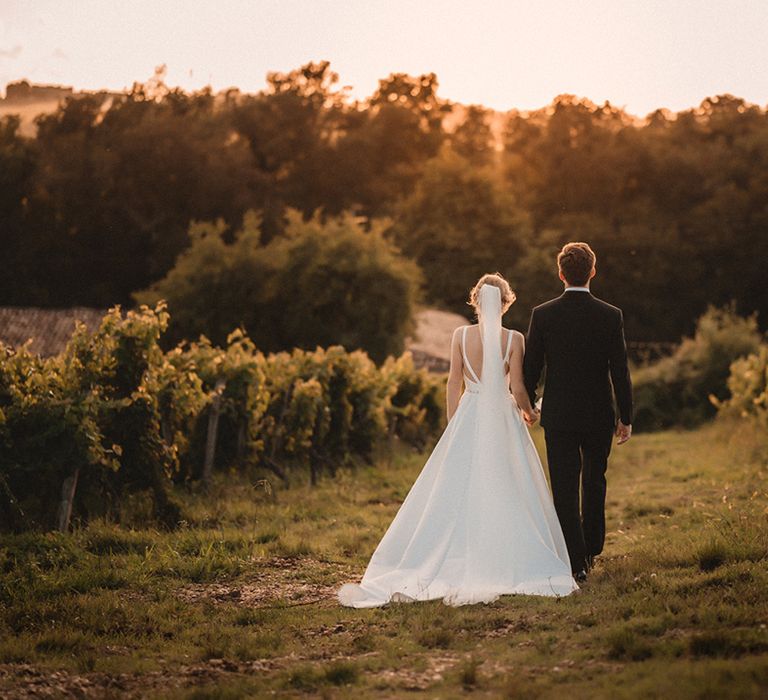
(18,164)
(458,224)
(673,206)
(472,138)
(382,154)
(291,129)
(117,185)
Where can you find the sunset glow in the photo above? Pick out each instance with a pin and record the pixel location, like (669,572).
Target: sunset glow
(500,53)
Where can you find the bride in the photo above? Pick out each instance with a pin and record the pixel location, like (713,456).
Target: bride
(479,521)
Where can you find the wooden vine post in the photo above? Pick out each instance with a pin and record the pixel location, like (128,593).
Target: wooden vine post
(213,428)
(68,488)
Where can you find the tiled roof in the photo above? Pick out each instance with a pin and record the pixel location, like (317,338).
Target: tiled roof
(49,329)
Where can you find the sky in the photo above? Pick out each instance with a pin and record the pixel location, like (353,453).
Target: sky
(504,54)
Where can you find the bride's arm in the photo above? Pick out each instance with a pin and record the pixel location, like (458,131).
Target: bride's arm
(455,379)
(516,382)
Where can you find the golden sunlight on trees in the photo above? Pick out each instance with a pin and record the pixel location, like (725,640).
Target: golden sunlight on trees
(97,205)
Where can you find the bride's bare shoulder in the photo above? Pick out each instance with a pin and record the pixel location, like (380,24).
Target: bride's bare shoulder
(517,336)
(457,332)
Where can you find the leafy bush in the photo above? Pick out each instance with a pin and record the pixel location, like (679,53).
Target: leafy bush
(85,421)
(114,416)
(324,407)
(239,369)
(683,389)
(415,407)
(48,431)
(319,283)
(748,384)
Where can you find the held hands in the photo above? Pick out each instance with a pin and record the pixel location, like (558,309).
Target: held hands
(530,417)
(623,432)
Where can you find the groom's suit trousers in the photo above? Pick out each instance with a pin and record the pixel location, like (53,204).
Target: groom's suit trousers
(573,457)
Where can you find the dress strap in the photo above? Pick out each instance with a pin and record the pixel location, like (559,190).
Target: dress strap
(464,353)
(509,346)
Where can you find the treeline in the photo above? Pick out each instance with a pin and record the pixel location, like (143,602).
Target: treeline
(98,206)
(114,417)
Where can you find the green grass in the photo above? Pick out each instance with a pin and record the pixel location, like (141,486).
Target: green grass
(239,602)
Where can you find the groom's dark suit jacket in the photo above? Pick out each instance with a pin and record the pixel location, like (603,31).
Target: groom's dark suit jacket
(580,340)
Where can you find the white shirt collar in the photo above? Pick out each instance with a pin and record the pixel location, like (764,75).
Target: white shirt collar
(577,289)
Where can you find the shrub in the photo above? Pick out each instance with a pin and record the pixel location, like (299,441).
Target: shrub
(318,284)
(683,389)
(415,408)
(748,385)
(48,433)
(114,418)
(325,406)
(187,396)
(117,364)
(84,422)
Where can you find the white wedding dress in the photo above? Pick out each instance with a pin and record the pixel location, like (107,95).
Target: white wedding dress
(479,521)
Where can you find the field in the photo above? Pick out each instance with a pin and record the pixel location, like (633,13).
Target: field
(240,601)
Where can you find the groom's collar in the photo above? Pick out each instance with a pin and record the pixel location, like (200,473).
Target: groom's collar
(577,289)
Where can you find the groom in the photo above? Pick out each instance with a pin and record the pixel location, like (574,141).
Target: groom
(580,340)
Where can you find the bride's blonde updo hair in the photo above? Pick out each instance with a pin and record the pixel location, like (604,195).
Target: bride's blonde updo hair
(497,280)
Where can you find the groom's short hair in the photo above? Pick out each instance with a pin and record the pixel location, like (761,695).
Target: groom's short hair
(576,261)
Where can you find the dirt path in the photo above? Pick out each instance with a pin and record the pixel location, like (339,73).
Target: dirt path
(276,583)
